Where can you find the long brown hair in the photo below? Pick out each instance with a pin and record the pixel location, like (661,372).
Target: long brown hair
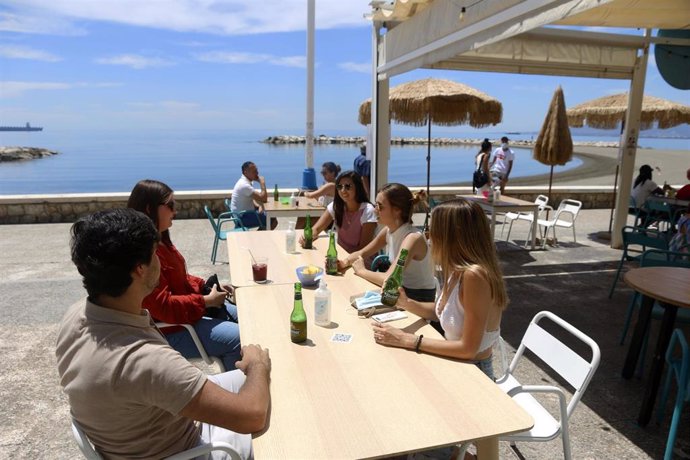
(361,195)
(146,196)
(461,240)
(400,197)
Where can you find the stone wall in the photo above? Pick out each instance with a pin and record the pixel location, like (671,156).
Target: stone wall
(29,209)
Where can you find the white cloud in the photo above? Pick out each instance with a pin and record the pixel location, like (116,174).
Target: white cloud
(135,61)
(10,89)
(363,67)
(228,57)
(38,24)
(225,17)
(21,52)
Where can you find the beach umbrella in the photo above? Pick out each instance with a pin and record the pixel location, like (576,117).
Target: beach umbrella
(608,111)
(440,102)
(554,145)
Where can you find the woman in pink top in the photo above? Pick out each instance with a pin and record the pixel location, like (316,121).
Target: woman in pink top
(353,214)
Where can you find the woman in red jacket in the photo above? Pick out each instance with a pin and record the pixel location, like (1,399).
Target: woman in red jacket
(178,298)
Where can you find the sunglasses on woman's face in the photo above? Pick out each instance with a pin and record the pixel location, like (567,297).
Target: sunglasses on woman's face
(344,186)
(170,204)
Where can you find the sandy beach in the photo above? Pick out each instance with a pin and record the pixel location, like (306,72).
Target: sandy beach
(599,167)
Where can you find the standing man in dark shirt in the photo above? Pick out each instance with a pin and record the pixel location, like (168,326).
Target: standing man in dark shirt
(362,166)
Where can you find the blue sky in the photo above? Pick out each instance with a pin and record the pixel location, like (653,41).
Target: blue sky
(224,64)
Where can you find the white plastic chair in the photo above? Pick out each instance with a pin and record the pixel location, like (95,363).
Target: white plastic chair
(571,366)
(200,346)
(89,451)
(560,219)
(541,201)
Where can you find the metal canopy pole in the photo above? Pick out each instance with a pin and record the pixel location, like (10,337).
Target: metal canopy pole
(309,175)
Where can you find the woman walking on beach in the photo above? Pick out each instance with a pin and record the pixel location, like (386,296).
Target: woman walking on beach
(354,216)
(473,296)
(178,298)
(394,205)
(481,166)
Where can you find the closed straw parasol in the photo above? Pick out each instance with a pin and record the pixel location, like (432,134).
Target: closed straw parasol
(554,144)
(608,111)
(437,101)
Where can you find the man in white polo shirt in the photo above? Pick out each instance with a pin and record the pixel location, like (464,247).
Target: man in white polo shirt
(502,164)
(244,197)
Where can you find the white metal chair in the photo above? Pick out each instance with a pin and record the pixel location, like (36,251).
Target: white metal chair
(572,367)
(89,451)
(200,346)
(541,201)
(566,208)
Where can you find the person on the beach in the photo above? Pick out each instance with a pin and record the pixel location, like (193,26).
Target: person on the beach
(643,187)
(502,164)
(362,166)
(131,393)
(353,214)
(394,205)
(329,171)
(245,197)
(178,296)
(481,164)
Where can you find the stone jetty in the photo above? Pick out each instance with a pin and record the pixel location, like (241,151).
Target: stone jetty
(438,141)
(24,153)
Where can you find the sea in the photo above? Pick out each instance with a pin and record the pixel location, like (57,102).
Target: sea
(210,159)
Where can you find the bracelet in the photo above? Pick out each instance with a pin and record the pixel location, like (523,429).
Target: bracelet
(419,343)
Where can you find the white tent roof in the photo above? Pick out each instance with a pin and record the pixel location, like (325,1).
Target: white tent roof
(511,35)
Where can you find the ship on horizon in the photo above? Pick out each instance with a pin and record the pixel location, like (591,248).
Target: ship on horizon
(28,127)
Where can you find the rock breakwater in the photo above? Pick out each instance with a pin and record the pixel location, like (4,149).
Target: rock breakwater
(24,153)
(438,141)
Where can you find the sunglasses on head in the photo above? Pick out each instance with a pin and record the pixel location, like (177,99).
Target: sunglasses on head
(344,186)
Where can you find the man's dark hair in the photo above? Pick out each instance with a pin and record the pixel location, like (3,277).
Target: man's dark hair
(106,247)
(246,166)
(504,139)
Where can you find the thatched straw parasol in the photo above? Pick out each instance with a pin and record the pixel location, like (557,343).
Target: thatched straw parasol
(554,144)
(608,111)
(441,102)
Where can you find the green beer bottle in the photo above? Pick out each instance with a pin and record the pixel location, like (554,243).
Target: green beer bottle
(298,318)
(331,255)
(308,238)
(276,195)
(390,294)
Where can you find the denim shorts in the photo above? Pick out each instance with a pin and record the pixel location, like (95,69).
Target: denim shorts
(486,366)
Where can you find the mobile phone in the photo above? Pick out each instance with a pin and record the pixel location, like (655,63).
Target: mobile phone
(389,316)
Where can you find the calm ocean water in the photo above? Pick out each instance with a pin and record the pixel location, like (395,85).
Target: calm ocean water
(113,161)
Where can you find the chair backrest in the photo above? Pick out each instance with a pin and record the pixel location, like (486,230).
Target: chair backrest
(570,206)
(541,200)
(83,442)
(643,237)
(572,367)
(661,258)
(660,207)
(211,219)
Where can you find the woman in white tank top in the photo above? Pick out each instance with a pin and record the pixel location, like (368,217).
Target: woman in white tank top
(473,296)
(394,205)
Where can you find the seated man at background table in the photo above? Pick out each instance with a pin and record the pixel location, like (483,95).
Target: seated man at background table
(133,395)
(244,196)
(684,192)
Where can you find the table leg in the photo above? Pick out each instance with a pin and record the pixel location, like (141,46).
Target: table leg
(535,227)
(487,448)
(638,336)
(657,364)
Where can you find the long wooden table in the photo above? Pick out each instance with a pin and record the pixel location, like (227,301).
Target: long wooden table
(361,399)
(670,286)
(304,206)
(507,204)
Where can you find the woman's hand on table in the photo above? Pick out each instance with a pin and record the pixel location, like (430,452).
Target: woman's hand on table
(343,265)
(301,240)
(254,356)
(385,334)
(402,298)
(358,265)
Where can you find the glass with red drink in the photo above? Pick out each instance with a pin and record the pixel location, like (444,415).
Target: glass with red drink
(260,269)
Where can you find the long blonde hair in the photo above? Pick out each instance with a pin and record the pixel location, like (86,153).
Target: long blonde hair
(461,240)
